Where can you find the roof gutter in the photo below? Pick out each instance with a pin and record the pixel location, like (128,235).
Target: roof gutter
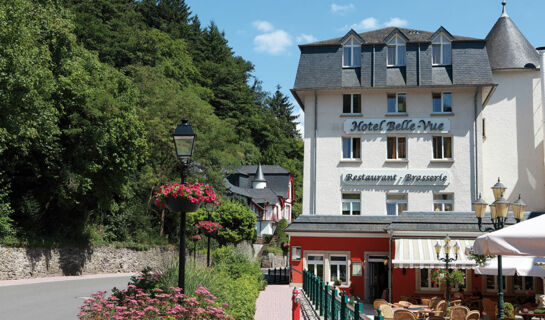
(297,98)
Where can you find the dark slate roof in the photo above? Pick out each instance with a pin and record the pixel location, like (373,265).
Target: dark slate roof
(267,169)
(408,221)
(340,223)
(378,36)
(266,195)
(508,48)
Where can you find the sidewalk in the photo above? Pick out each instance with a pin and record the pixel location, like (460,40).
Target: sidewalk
(4,283)
(274,303)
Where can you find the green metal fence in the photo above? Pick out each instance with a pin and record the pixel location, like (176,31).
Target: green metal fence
(328,302)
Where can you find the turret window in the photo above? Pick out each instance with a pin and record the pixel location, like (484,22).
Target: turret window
(352,53)
(441,51)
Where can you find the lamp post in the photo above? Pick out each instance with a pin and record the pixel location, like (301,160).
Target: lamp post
(498,215)
(184,140)
(447,259)
(209,209)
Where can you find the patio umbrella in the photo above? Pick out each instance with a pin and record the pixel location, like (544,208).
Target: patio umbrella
(526,266)
(526,238)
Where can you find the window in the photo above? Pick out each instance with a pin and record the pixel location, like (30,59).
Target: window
(425,280)
(396,203)
(442,102)
(396,52)
(351,103)
(397,147)
(523,283)
(443,202)
(337,268)
(296,253)
(442,147)
(356,268)
(397,103)
(441,51)
(352,53)
(492,283)
(351,148)
(315,265)
(351,204)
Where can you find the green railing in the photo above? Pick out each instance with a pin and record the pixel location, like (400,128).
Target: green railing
(328,302)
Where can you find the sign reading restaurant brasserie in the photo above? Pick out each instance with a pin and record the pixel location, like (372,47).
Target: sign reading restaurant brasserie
(385,177)
(402,125)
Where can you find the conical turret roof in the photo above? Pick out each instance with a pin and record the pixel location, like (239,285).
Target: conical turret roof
(508,48)
(259,176)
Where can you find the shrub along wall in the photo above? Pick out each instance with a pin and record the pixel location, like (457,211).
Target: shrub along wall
(27,262)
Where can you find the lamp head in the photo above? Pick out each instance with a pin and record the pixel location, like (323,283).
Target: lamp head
(498,189)
(479,206)
(493,213)
(437,248)
(518,208)
(184,140)
(502,207)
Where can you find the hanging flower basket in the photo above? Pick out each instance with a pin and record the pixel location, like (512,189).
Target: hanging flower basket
(185,197)
(208,228)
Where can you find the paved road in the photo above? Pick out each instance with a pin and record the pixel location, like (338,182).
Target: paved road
(51,300)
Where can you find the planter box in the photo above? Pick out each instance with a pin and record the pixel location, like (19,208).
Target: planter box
(181,204)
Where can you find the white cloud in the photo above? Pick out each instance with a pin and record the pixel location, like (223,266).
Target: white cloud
(275,42)
(305,38)
(264,26)
(396,22)
(369,23)
(337,8)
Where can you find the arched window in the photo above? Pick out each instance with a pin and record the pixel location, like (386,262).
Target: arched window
(352,53)
(441,51)
(396,52)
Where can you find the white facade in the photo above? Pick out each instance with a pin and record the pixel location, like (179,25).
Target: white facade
(512,148)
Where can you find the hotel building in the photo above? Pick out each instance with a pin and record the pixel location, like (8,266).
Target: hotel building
(403,130)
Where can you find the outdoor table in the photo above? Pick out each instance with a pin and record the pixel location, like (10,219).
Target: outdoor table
(417,310)
(528,315)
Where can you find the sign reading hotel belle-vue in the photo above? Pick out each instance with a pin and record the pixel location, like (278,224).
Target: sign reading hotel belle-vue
(392,177)
(401,125)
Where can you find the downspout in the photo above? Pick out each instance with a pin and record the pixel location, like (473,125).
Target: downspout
(542,73)
(390,265)
(315,152)
(476,147)
(373,67)
(418,69)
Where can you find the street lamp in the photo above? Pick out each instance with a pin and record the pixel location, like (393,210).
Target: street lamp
(184,140)
(498,214)
(447,259)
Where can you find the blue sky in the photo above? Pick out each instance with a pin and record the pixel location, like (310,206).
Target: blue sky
(267,32)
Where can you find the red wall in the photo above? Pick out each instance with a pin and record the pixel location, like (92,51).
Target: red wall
(356,246)
(403,284)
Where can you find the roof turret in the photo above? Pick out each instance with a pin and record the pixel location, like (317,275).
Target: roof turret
(259,176)
(508,48)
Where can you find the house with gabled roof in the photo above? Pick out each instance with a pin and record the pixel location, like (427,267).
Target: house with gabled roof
(267,189)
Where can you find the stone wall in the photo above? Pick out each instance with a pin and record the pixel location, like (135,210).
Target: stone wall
(21,263)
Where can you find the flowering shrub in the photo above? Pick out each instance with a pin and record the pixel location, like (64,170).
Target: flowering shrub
(455,277)
(194,192)
(163,305)
(208,227)
(196,238)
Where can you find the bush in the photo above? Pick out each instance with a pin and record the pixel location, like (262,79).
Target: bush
(162,305)
(274,250)
(509,310)
(279,231)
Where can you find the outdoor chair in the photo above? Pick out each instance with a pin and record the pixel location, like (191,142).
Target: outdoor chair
(378,302)
(490,307)
(425,301)
(386,311)
(473,315)
(440,309)
(398,305)
(456,303)
(404,303)
(434,301)
(404,315)
(458,313)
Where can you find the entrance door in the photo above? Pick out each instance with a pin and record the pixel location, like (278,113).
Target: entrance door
(377,277)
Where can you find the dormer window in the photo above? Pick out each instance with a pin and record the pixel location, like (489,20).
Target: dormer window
(352,53)
(441,51)
(396,52)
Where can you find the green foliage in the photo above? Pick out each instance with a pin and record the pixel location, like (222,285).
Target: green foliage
(90,92)
(509,310)
(455,277)
(274,250)
(279,231)
(234,279)
(481,259)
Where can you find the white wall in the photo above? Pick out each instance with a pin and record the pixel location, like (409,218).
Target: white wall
(513,147)
(419,104)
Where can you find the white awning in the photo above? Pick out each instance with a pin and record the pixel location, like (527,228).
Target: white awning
(420,254)
(526,266)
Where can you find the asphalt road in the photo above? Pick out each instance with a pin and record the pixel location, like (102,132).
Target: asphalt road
(56,300)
